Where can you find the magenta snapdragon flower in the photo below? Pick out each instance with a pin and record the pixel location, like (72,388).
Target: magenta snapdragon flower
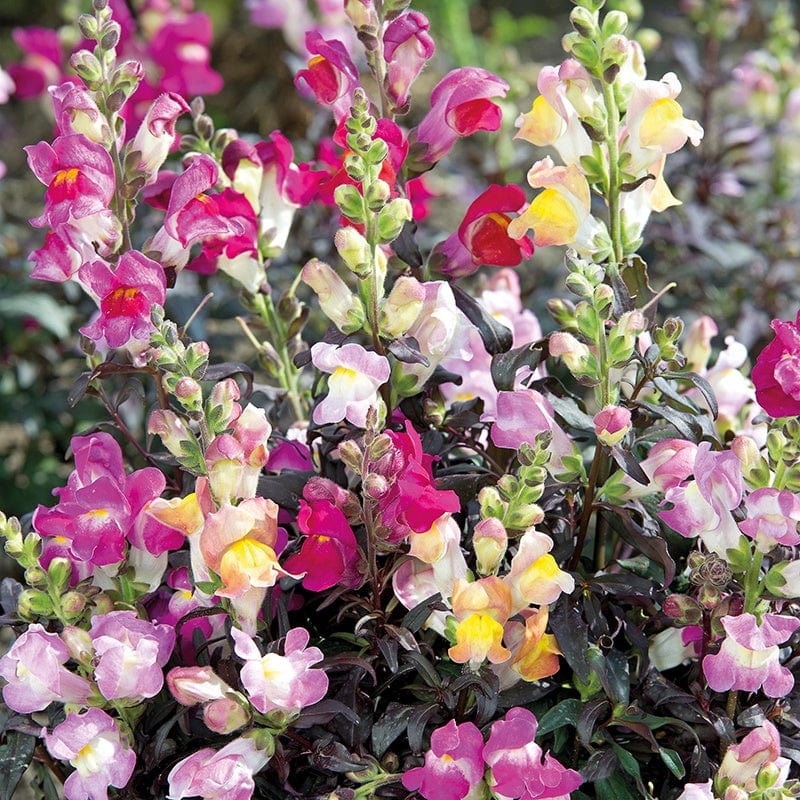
(482,236)
(331,76)
(411,502)
(126,295)
(520,769)
(286,682)
(93,744)
(776,373)
(749,658)
(131,653)
(36,675)
(460,106)
(453,766)
(329,554)
(407,45)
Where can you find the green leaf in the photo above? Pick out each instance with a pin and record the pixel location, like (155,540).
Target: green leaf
(15,755)
(54,317)
(565,713)
(673,761)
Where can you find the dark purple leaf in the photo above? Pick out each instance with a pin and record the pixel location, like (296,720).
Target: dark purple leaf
(497,338)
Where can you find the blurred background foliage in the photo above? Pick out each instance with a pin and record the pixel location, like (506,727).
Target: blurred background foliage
(732,256)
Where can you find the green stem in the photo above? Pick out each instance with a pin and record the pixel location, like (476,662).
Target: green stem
(752,582)
(614,179)
(588,502)
(288,374)
(779,479)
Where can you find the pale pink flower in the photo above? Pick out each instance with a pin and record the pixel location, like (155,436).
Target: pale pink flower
(742,762)
(356,375)
(36,675)
(225,774)
(131,653)
(286,682)
(611,424)
(749,658)
(93,744)
(772,517)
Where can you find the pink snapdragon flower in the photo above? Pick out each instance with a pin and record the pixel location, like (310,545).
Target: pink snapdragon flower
(193,214)
(80,180)
(772,517)
(460,106)
(131,653)
(41,65)
(407,45)
(518,768)
(126,295)
(742,762)
(521,415)
(776,373)
(331,76)
(36,675)
(329,555)
(749,658)
(356,375)
(100,504)
(156,135)
(482,236)
(286,682)
(702,507)
(76,111)
(225,774)
(453,766)
(668,464)
(411,503)
(94,745)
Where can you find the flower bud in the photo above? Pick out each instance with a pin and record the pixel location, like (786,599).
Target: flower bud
(351,455)
(611,425)
(683,609)
(401,308)
(79,644)
(350,202)
(576,356)
(783,580)
(377,195)
(392,218)
(189,393)
(102,604)
(225,715)
(33,603)
(35,576)
(88,68)
(375,486)
(336,300)
(489,541)
(73,605)
(491,503)
(584,22)
(615,22)
(362,14)
(171,429)
(88,26)
(354,250)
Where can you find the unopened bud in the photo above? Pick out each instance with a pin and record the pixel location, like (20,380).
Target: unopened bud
(375,486)
(73,605)
(79,644)
(351,455)
(87,67)
(225,715)
(110,35)
(354,249)
(392,218)
(489,541)
(491,504)
(350,202)
(401,308)
(59,575)
(377,195)
(88,26)
(336,300)
(33,603)
(584,22)
(615,22)
(35,576)
(683,609)
(189,393)
(611,425)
